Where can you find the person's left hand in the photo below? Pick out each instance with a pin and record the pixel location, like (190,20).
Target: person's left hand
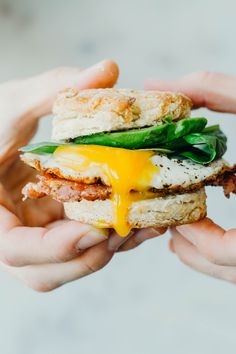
(207,248)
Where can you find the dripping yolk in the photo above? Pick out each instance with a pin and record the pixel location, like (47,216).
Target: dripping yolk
(124,170)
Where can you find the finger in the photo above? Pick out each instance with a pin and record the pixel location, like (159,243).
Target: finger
(134,238)
(21,245)
(213,242)
(56,223)
(140,236)
(6,202)
(115,241)
(50,276)
(190,256)
(40,91)
(215,91)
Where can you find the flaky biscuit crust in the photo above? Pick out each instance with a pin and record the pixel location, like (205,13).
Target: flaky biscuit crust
(171,210)
(86,112)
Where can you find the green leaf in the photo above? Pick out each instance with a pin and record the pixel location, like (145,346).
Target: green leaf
(188,138)
(206,146)
(145,137)
(42,148)
(161,150)
(168,118)
(196,156)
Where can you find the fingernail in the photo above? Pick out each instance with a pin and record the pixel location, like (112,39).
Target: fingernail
(145,234)
(92,238)
(100,66)
(109,68)
(186,231)
(115,241)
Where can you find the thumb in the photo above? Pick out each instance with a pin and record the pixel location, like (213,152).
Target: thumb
(41,90)
(216,91)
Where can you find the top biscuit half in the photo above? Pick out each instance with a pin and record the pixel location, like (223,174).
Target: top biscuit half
(86,112)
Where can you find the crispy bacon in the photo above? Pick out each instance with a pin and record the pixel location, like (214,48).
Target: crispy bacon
(69,191)
(64,190)
(228,182)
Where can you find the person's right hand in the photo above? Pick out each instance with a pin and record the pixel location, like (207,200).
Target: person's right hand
(204,245)
(214,91)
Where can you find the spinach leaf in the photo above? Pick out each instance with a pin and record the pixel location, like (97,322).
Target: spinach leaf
(188,138)
(206,146)
(42,148)
(145,137)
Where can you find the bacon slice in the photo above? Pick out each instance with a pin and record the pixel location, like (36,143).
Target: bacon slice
(64,190)
(228,182)
(70,191)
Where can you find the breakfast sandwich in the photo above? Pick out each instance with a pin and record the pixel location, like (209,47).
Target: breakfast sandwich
(123,159)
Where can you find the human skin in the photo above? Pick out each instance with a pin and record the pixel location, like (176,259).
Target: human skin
(204,245)
(37,245)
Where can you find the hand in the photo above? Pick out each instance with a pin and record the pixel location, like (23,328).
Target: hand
(204,245)
(36,244)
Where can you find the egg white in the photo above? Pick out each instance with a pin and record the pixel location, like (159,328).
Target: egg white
(171,172)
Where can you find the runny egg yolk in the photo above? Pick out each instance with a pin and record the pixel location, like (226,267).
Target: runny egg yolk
(124,170)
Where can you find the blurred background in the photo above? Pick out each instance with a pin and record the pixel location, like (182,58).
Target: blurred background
(144,301)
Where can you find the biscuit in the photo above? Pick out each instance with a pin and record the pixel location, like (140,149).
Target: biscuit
(85,112)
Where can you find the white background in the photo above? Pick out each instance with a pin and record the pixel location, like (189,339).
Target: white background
(144,301)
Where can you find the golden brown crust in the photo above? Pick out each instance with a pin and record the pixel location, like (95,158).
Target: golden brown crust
(171,210)
(91,111)
(89,101)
